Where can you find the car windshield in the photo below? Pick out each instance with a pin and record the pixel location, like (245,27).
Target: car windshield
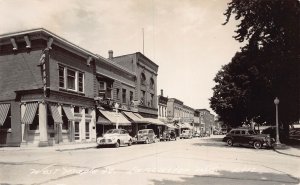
(112,131)
(142,131)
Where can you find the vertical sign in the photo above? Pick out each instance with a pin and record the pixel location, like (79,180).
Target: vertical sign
(44,61)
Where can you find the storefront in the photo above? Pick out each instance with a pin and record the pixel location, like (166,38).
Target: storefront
(108,119)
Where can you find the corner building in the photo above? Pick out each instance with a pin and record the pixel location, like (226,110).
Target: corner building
(47,90)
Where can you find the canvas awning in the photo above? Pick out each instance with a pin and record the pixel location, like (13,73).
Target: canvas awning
(55,114)
(103,121)
(30,112)
(116,118)
(69,113)
(171,126)
(155,121)
(4,108)
(133,117)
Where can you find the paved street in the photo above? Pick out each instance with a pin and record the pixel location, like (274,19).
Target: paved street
(182,162)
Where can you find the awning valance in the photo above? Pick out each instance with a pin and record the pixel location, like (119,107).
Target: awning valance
(4,108)
(133,117)
(55,114)
(69,113)
(155,121)
(115,118)
(30,112)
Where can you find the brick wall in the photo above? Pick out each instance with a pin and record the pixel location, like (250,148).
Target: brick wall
(19,71)
(65,58)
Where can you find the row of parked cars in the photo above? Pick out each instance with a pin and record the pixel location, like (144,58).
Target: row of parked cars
(121,137)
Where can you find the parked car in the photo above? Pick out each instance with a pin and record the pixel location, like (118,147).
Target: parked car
(168,135)
(186,134)
(196,134)
(245,136)
(145,136)
(115,137)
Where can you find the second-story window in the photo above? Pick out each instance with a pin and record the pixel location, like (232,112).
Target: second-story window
(143,97)
(152,100)
(143,79)
(123,95)
(131,96)
(118,94)
(80,82)
(71,79)
(61,76)
(152,84)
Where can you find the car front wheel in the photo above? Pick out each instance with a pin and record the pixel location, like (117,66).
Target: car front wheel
(147,141)
(130,142)
(117,144)
(257,145)
(229,142)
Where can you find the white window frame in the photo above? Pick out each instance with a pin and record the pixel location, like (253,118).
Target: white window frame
(66,69)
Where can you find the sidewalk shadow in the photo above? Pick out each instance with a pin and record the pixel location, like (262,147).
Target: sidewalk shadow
(227,177)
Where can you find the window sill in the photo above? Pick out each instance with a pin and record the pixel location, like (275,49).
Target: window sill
(72,91)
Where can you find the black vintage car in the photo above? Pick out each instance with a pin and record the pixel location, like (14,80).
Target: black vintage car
(245,136)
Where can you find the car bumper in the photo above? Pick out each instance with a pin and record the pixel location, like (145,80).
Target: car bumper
(106,142)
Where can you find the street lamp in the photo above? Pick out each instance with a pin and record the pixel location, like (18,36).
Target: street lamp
(116,107)
(276,102)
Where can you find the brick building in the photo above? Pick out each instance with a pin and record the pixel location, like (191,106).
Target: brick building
(207,119)
(47,86)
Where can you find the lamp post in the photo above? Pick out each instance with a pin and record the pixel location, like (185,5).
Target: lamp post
(116,107)
(276,102)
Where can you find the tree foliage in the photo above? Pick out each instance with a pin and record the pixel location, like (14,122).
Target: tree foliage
(267,66)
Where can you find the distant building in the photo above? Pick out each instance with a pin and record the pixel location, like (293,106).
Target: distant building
(162,107)
(145,83)
(207,119)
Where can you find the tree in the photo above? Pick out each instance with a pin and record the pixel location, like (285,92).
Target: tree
(266,67)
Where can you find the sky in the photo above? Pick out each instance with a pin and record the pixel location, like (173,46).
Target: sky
(185,38)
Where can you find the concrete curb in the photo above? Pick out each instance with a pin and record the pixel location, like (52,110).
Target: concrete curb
(49,148)
(285,153)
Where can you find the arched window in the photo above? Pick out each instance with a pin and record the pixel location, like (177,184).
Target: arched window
(151,83)
(143,79)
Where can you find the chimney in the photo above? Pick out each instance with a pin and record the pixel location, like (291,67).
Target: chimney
(110,54)
(162,92)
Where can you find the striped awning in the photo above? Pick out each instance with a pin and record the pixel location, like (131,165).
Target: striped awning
(115,118)
(133,117)
(141,117)
(30,112)
(4,108)
(103,121)
(155,121)
(69,113)
(55,114)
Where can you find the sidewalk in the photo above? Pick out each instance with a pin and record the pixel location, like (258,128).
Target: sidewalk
(291,148)
(59,147)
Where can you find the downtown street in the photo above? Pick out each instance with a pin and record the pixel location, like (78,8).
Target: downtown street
(185,161)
